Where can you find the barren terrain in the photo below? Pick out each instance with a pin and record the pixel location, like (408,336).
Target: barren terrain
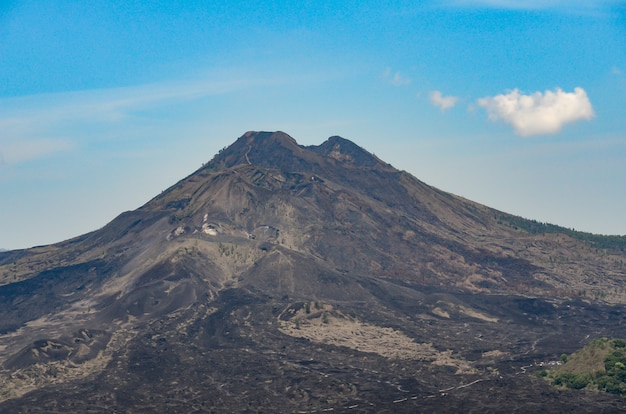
(306,279)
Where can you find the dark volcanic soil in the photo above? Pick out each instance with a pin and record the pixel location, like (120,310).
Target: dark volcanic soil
(235,359)
(283,278)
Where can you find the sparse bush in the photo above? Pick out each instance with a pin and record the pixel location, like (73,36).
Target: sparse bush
(324,317)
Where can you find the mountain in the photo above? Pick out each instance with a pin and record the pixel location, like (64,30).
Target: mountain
(281,277)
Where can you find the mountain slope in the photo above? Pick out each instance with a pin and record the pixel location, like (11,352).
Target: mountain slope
(274,254)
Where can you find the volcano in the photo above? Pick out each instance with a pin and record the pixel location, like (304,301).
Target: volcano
(289,278)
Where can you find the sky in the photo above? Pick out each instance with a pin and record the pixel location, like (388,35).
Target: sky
(519,105)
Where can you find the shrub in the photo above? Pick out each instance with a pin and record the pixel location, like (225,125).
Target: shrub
(573,381)
(324,317)
(619,343)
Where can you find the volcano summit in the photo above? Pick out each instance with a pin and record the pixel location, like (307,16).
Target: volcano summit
(281,277)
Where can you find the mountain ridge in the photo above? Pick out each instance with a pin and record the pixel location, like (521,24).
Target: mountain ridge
(269,149)
(230,181)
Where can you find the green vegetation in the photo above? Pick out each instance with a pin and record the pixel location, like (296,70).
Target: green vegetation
(601,365)
(536,227)
(573,381)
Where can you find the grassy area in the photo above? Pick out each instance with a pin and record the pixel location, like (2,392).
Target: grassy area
(601,365)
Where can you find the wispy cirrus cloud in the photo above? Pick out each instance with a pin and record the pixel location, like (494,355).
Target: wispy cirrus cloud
(106,104)
(442,102)
(538,113)
(570,6)
(396,78)
(40,126)
(13,152)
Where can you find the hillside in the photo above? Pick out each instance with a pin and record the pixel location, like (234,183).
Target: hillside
(306,278)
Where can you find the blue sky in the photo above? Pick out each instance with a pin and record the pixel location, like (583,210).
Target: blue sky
(519,105)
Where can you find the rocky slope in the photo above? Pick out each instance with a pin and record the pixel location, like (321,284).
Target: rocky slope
(305,279)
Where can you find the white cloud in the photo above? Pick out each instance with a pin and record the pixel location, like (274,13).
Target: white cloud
(539,113)
(442,102)
(396,78)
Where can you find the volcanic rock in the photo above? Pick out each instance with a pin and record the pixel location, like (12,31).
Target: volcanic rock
(286,278)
